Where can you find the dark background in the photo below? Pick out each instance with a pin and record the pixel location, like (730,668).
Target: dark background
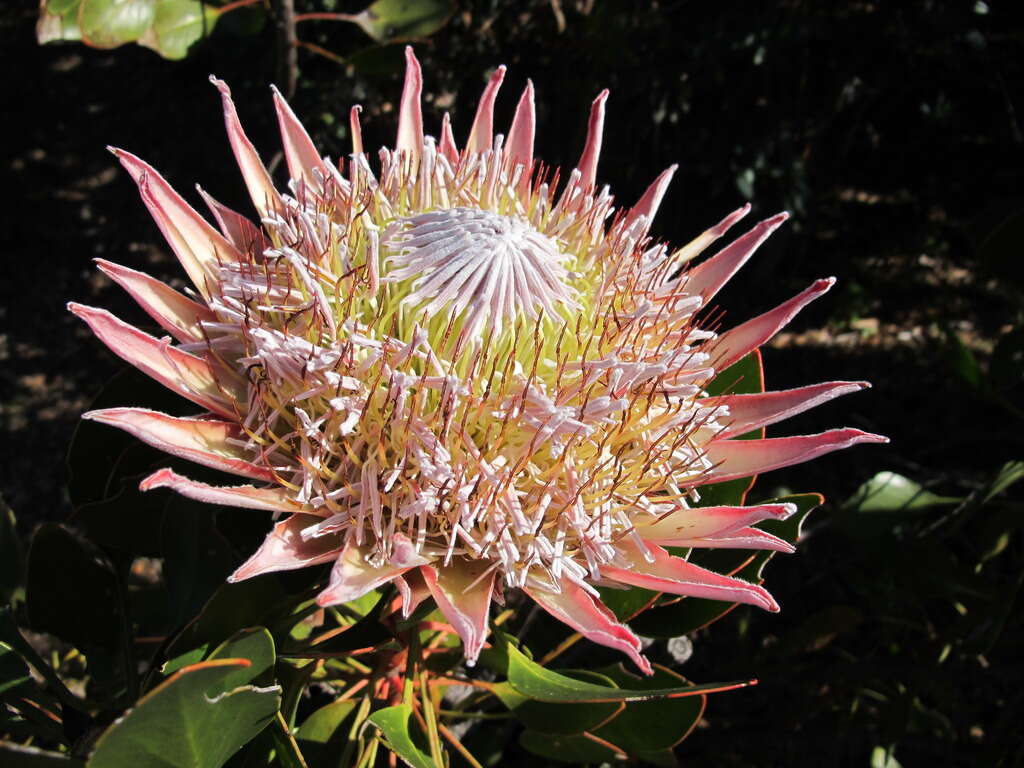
(891,131)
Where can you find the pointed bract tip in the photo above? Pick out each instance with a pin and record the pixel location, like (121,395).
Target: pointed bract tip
(776,220)
(100,416)
(158,479)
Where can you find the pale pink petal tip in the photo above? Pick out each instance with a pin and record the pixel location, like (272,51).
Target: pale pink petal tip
(726,224)
(667,573)
(353,575)
(462,591)
(521,133)
(410,115)
(592,149)
(482,132)
(739,341)
(284,549)
(733,459)
(591,618)
(300,153)
(649,203)
(204,441)
(271,499)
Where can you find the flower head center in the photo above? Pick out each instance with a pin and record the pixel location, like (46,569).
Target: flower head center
(490,266)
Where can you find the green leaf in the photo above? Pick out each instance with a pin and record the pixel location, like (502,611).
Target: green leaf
(365,633)
(626,603)
(252,602)
(178,25)
(744,377)
(651,726)
(394,724)
(392,20)
(72,590)
(12,558)
(536,682)
(1010,473)
(543,717)
(18,756)
(890,492)
(110,23)
(257,646)
(575,748)
(60,7)
(692,613)
(324,734)
(191,719)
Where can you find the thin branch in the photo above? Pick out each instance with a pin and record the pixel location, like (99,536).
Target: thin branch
(324,16)
(237,4)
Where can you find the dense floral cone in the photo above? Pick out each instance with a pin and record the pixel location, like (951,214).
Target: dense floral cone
(451,371)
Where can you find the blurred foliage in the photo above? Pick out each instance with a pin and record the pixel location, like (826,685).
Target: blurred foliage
(173,27)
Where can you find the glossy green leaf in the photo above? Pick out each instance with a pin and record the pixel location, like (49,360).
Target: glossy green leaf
(72,590)
(323,735)
(544,717)
(252,602)
(18,756)
(890,492)
(392,20)
(177,26)
(651,726)
(536,682)
(110,23)
(575,748)
(744,377)
(257,646)
(192,719)
(394,723)
(626,603)
(690,613)
(365,633)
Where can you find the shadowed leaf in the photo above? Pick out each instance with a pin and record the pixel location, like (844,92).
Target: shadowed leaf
(190,719)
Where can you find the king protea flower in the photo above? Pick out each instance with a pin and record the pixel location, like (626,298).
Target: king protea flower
(453,372)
